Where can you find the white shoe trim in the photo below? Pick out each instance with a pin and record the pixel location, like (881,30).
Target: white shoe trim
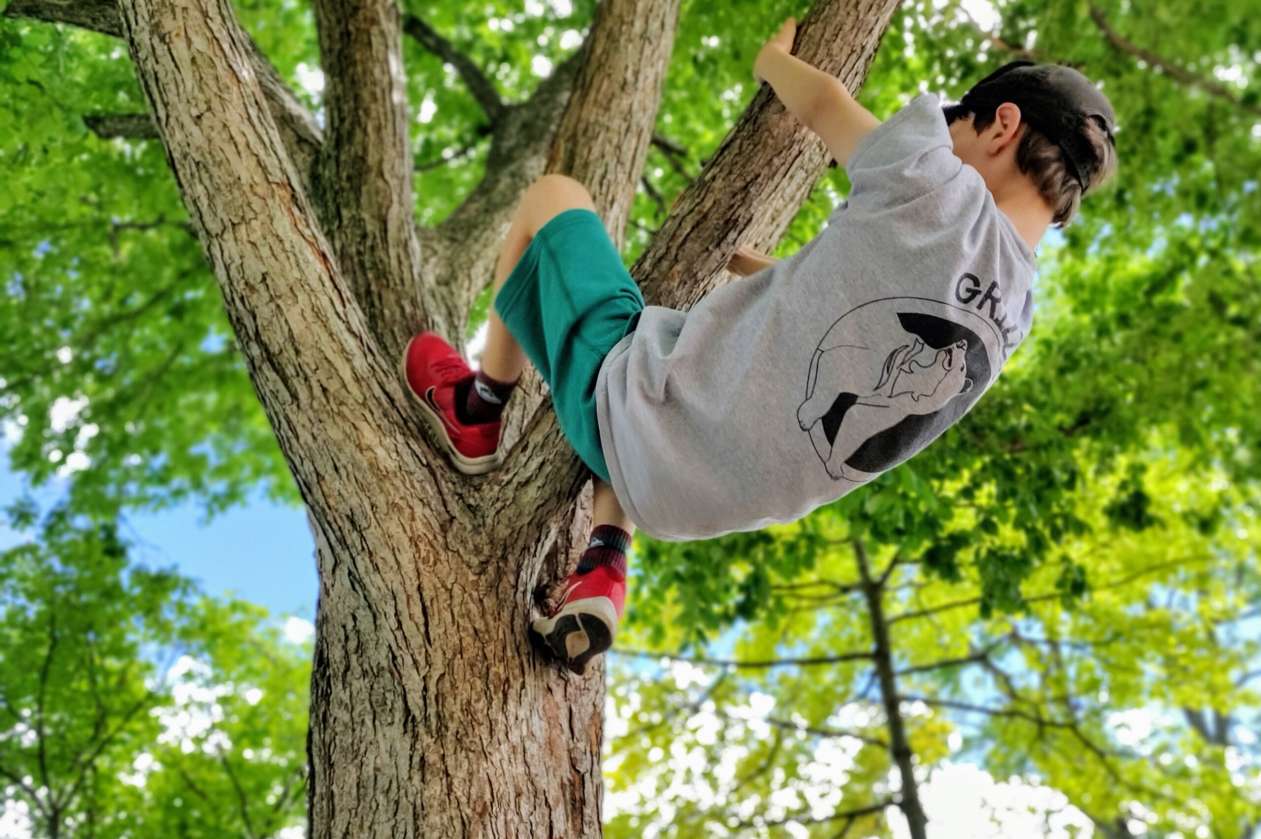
(600,608)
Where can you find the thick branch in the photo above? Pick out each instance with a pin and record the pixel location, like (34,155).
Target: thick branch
(95,15)
(332,399)
(477,82)
(365,179)
(763,171)
(1174,71)
(607,127)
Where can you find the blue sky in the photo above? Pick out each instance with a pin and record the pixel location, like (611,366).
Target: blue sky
(261,551)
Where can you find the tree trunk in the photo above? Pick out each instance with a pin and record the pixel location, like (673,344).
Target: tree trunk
(430,715)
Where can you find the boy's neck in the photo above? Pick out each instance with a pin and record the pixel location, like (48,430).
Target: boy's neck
(1027,211)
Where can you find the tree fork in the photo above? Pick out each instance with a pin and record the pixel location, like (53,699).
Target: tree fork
(429,714)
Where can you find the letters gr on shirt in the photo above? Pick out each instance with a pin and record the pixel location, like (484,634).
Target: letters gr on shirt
(968,289)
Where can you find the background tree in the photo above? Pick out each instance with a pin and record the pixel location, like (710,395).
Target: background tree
(132,706)
(123,361)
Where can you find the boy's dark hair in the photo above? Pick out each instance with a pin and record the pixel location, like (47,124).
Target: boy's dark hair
(1067,146)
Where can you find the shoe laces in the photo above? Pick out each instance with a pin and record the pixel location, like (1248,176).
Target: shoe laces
(450,369)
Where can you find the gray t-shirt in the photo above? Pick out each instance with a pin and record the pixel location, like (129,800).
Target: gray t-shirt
(784,390)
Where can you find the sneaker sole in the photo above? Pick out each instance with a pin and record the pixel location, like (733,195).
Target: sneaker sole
(466,465)
(577,633)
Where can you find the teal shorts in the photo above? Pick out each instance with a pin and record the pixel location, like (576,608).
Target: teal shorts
(567,302)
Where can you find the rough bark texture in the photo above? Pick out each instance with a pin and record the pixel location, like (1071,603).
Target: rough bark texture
(616,98)
(430,716)
(365,176)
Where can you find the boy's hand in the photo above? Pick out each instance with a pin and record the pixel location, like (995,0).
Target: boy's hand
(781,40)
(817,99)
(746,261)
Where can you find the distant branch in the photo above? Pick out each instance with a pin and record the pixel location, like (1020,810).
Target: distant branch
(899,744)
(947,663)
(1174,71)
(821,731)
(477,82)
(440,161)
(806,818)
(122,126)
(751,664)
(242,802)
(95,15)
(298,130)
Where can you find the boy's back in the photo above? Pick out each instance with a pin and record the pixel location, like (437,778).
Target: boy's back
(785,390)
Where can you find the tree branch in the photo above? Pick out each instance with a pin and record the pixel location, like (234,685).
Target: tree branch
(751,664)
(94,15)
(41,736)
(298,130)
(823,731)
(607,126)
(365,181)
(242,804)
(806,818)
(477,82)
(330,395)
(1174,71)
(899,745)
(948,663)
(121,126)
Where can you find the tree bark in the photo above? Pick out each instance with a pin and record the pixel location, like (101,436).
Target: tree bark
(365,177)
(430,716)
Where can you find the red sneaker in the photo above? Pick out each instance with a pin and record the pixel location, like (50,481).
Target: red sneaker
(432,368)
(586,621)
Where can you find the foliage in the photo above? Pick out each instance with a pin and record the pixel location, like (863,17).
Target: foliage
(132,706)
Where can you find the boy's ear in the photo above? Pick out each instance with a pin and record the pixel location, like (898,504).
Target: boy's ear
(1005,129)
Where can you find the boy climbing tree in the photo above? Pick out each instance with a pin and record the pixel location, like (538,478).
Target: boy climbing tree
(812,376)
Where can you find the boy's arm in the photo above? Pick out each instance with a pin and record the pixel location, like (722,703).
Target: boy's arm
(819,100)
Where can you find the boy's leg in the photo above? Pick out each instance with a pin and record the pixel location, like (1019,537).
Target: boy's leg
(584,624)
(605,509)
(502,358)
(464,407)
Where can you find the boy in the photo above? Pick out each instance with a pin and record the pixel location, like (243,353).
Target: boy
(786,390)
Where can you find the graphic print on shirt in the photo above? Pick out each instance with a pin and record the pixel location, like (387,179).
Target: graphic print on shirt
(890,375)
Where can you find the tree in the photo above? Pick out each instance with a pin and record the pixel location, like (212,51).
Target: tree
(133,706)
(320,291)
(310,232)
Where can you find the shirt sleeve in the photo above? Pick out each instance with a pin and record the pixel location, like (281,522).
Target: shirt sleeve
(905,157)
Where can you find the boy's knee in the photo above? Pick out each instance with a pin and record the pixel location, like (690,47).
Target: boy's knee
(558,184)
(552,194)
